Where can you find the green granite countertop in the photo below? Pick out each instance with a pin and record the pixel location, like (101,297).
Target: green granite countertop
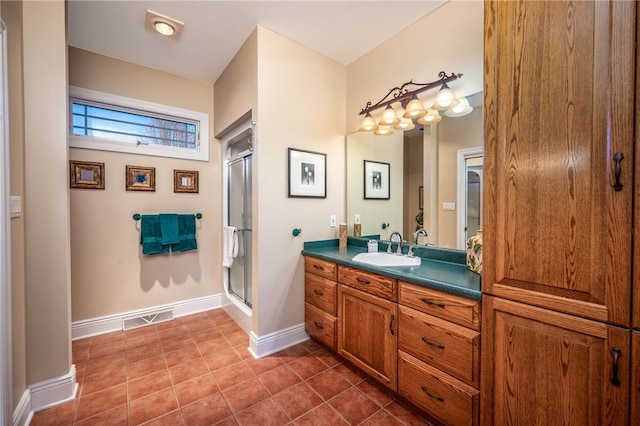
(440,269)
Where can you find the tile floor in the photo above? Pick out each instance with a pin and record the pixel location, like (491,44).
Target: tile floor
(196,370)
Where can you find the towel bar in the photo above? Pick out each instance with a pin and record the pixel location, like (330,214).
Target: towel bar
(138,216)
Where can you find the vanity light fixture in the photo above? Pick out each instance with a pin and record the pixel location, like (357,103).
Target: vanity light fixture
(163,24)
(407,96)
(463,108)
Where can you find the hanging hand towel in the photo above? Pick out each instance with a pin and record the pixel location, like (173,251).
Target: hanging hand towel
(169,228)
(187,234)
(150,236)
(230,245)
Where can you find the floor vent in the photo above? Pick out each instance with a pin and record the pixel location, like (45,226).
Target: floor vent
(145,319)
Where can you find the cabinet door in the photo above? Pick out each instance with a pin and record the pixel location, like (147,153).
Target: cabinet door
(546,368)
(558,106)
(635,379)
(367,333)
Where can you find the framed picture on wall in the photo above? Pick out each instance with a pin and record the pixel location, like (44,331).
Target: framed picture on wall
(86,174)
(307,174)
(185,181)
(141,178)
(376,180)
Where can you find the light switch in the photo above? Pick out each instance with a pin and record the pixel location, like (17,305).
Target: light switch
(449,206)
(16,206)
(332,221)
(356,218)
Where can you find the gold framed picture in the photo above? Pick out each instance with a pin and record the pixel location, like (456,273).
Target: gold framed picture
(141,178)
(86,174)
(185,181)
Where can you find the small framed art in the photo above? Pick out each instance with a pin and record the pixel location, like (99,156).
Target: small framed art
(307,174)
(376,180)
(86,174)
(141,178)
(185,181)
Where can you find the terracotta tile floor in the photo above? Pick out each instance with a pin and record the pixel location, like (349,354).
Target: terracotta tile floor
(196,370)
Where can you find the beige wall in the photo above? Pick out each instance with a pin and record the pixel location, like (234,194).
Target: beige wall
(46,202)
(109,274)
(301,98)
(12,16)
(453,134)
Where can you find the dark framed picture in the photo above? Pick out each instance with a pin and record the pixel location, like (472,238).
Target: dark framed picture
(185,181)
(307,174)
(141,178)
(86,174)
(376,180)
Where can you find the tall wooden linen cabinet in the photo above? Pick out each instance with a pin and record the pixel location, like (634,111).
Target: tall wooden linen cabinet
(561,317)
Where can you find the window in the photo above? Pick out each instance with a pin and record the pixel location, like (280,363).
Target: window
(114,123)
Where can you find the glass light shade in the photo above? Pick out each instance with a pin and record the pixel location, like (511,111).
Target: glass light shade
(415,109)
(164,28)
(368,124)
(383,131)
(463,108)
(389,117)
(445,98)
(432,117)
(404,124)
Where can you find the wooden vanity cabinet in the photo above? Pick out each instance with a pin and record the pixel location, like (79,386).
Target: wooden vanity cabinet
(559,113)
(368,322)
(320,290)
(439,360)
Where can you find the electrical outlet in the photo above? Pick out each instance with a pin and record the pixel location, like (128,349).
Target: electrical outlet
(356,219)
(332,221)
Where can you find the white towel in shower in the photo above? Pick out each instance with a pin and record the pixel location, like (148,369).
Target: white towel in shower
(229,245)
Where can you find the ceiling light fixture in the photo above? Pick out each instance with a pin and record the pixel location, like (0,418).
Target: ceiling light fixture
(412,105)
(163,24)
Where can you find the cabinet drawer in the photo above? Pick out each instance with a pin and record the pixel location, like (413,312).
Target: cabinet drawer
(368,282)
(320,292)
(450,400)
(459,310)
(449,347)
(320,325)
(320,267)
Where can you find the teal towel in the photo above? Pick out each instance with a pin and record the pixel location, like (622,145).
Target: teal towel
(150,235)
(187,233)
(169,228)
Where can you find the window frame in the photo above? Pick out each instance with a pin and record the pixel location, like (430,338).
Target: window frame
(201,153)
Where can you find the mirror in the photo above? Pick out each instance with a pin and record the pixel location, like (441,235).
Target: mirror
(435,180)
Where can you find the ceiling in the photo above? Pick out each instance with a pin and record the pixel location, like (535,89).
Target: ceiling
(215,30)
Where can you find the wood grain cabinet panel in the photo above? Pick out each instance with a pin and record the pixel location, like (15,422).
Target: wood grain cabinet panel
(459,310)
(321,267)
(558,108)
(375,284)
(320,325)
(635,378)
(551,368)
(367,332)
(451,401)
(449,347)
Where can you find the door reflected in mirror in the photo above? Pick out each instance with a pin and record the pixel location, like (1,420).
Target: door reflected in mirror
(445,159)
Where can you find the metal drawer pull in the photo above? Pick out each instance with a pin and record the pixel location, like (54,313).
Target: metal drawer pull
(432,303)
(318,292)
(318,325)
(363,280)
(393,317)
(617,158)
(432,343)
(431,395)
(318,267)
(617,353)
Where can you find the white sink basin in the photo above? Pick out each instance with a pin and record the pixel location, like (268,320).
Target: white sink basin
(386,259)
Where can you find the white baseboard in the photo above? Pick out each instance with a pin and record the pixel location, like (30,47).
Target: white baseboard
(23,414)
(261,346)
(54,391)
(107,324)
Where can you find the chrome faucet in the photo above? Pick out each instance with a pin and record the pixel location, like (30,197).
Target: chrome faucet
(399,251)
(419,232)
